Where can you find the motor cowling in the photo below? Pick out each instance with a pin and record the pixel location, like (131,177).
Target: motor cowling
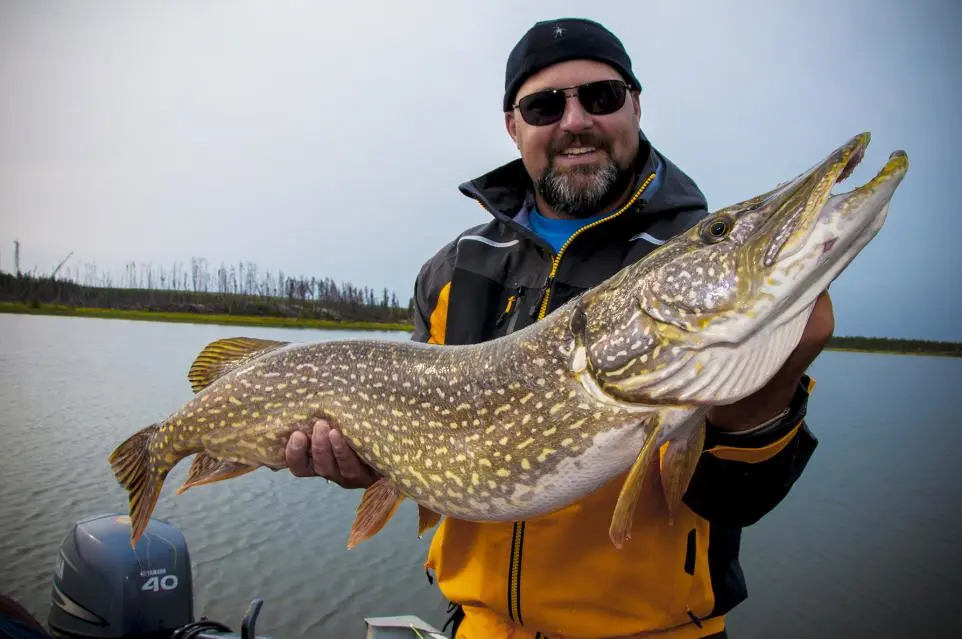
(104,588)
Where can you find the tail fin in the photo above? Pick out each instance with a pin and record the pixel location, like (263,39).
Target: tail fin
(134,469)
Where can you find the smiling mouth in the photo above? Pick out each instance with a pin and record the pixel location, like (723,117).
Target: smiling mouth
(578,151)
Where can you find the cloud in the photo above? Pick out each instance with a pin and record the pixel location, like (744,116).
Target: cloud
(331,142)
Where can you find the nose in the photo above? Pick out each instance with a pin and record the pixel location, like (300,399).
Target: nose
(575,117)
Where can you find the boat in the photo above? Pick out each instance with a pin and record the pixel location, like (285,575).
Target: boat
(102,588)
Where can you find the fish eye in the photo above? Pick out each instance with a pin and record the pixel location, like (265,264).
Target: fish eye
(717,229)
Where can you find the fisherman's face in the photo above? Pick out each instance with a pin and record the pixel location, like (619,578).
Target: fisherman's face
(579,163)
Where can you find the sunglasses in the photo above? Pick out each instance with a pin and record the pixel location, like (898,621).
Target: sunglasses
(597,98)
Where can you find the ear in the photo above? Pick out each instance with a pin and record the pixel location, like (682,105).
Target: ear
(512,126)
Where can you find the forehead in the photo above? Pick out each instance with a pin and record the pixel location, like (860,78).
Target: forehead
(566,74)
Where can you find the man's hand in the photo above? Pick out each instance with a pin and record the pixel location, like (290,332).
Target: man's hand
(327,455)
(775,396)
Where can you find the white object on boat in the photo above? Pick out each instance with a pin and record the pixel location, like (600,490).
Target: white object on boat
(401,627)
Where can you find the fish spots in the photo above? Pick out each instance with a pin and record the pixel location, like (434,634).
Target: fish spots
(454,477)
(525,464)
(526,398)
(525,443)
(232,400)
(547,452)
(484,462)
(502,472)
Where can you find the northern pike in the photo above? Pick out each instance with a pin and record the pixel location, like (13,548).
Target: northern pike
(525,424)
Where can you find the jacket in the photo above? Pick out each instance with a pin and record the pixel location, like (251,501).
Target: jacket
(559,575)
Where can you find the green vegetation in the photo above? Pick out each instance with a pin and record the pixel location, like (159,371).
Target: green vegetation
(240,295)
(234,294)
(198,318)
(894,345)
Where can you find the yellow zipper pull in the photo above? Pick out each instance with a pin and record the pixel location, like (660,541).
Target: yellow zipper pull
(513,298)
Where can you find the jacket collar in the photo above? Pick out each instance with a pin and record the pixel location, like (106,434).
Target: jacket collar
(507,190)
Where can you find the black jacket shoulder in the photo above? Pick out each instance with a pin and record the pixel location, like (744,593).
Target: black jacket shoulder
(503,264)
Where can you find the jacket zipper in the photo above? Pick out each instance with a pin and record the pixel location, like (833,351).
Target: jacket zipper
(556,262)
(517,537)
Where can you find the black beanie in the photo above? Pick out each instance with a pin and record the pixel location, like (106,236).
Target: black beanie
(551,41)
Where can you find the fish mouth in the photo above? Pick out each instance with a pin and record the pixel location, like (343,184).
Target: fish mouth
(803,201)
(821,232)
(808,203)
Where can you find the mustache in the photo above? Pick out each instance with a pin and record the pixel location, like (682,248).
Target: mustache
(569,140)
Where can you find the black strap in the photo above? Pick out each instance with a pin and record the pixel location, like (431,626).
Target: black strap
(456,612)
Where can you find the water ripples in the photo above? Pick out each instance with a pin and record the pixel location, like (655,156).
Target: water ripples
(72,389)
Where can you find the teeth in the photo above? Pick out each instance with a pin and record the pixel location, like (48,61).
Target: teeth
(578,151)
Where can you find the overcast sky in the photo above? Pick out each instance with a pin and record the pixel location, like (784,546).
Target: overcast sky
(328,139)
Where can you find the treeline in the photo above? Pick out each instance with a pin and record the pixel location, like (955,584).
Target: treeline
(241,289)
(890,344)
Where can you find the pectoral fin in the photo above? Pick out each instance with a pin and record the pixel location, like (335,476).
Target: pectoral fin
(678,466)
(378,505)
(427,519)
(620,528)
(206,470)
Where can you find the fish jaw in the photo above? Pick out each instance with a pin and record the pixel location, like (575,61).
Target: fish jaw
(844,226)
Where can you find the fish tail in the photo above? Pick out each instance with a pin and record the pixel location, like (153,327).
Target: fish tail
(134,469)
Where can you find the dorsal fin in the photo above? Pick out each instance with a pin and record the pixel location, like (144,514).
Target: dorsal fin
(224,355)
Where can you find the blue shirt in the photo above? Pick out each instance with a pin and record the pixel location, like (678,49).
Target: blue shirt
(556,232)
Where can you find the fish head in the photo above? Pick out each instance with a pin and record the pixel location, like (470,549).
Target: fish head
(709,316)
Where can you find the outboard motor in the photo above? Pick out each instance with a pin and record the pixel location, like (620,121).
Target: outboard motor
(104,588)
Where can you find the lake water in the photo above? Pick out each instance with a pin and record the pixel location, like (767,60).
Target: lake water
(865,546)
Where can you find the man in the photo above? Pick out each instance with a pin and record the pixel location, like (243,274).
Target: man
(588,196)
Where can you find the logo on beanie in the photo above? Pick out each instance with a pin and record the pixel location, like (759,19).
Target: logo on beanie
(559,32)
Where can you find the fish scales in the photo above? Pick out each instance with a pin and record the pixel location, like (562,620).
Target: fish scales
(613,383)
(460,432)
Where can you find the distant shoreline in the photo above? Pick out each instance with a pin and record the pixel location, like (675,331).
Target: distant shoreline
(883,351)
(838,344)
(200,318)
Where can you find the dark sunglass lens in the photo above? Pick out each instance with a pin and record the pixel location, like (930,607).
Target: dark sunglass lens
(542,108)
(602,98)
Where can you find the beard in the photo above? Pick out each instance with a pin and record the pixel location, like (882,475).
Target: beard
(582,191)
